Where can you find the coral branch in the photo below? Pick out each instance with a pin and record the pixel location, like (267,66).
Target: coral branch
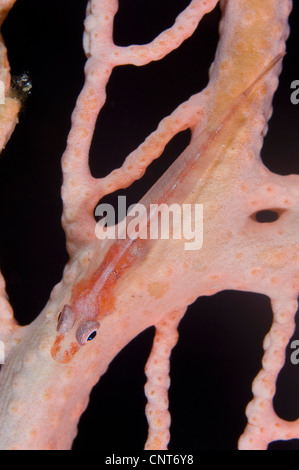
(184,26)
(8,119)
(264,425)
(10,109)
(156,387)
(5,6)
(79,189)
(7,321)
(125,286)
(183,117)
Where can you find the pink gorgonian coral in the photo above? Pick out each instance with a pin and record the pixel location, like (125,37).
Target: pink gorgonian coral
(113,291)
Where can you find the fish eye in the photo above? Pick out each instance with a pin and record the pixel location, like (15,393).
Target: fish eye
(66,319)
(87,331)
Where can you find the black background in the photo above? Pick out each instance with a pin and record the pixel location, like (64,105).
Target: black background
(220,347)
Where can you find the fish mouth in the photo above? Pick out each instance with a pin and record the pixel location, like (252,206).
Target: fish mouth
(61,354)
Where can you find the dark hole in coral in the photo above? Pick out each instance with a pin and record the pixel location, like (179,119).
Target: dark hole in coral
(266,216)
(122,199)
(142,23)
(101,215)
(292,444)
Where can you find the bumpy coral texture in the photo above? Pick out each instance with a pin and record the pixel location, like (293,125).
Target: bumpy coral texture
(154,284)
